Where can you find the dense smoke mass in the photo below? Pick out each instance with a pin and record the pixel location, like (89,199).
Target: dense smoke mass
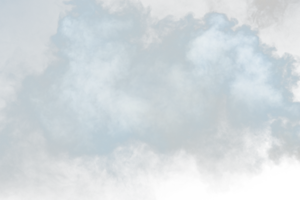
(128,99)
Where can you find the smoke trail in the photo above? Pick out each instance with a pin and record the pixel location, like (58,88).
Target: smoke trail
(202,89)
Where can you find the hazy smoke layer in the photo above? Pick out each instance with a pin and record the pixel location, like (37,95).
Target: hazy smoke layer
(266,13)
(124,93)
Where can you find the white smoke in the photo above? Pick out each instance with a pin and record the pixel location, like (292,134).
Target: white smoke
(267,13)
(208,87)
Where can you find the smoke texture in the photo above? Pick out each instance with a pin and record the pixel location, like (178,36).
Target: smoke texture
(123,98)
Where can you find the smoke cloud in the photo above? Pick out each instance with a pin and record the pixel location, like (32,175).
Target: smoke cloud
(201,87)
(128,91)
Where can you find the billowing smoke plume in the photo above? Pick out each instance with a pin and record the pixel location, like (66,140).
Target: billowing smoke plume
(205,87)
(200,86)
